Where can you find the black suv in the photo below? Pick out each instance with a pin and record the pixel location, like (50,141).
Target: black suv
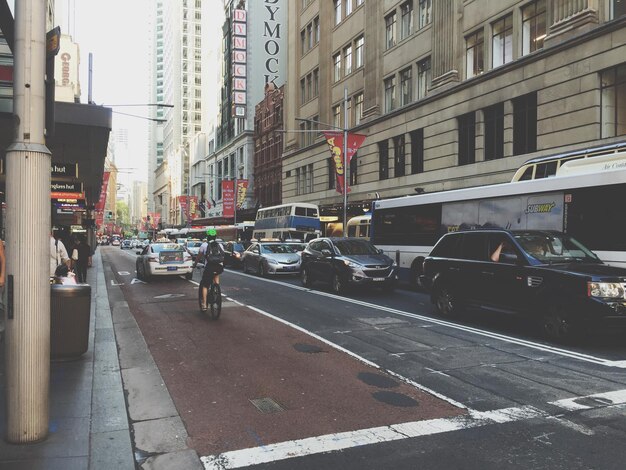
(343,261)
(545,275)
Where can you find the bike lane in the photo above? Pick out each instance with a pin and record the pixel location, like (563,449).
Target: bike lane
(248,380)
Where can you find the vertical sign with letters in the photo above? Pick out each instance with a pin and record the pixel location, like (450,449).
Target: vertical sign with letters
(240,52)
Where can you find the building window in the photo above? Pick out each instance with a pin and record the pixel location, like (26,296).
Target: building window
(348,7)
(337,67)
(525,124)
(309,86)
(406,27)
(316,27)
(316,82)
(390,94)
(399,161)
(390,30)
(303,41)
(337,116)
(347,54)
(474,54)
(423,77)
(353,169)
(337,12)
(467,138)
(302,91)
(359,2)
(406,86)
(417,151)
(534,26)
(502,41)
(358,51)
(494,131)
(358,109)
(309,36)
(613,101)
(618,8)
(309,186)
(425,13)
(383,160)
(332,179)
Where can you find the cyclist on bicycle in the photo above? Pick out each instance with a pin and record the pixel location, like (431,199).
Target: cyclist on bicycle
(213,255)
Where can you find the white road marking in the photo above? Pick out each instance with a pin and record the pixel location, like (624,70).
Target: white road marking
(169,296)
(113,283)
(361,437)
(123,273)
(137,281)
(468,329)
(617,397)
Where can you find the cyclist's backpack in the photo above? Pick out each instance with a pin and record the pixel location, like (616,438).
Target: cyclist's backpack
(214,253)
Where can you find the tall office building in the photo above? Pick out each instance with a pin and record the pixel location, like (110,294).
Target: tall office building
(176,60)
(449,93)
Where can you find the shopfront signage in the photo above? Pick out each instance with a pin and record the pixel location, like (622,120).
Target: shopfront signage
(66,187)
(240,59)
(69,170)
(66,195)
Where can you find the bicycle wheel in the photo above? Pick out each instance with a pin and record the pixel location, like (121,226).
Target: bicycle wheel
(216,301)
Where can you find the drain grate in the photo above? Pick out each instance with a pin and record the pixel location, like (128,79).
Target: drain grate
(267,405)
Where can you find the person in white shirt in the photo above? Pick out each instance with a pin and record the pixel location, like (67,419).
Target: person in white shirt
(58,254)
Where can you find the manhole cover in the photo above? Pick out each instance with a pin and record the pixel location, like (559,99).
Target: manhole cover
(395,399)
(307,348)
(377,380)
(267,405)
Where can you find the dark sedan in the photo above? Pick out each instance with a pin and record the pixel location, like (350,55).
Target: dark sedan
(347,261)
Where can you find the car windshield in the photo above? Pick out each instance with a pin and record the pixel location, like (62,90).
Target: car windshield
(277,248)
(238,247)
(355,247)
(554,248)
(298,246)
(194,244)
(157,247)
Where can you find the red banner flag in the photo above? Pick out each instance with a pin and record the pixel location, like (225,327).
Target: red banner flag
(228,198)
(155,218)
(242,190)
(335,143)
(184,207)
(103,191)
(193,207)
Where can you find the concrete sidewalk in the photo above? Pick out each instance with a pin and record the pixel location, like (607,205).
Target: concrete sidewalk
(89,427)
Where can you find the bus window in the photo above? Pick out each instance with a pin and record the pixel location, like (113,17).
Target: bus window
(352,230)
(528,174)
(545,170)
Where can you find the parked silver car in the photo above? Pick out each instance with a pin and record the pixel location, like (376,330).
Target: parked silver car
(265,258)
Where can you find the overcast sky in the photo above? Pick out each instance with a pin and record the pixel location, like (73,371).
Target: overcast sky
(116,32)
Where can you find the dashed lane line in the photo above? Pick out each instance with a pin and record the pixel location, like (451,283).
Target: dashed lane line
(468,329)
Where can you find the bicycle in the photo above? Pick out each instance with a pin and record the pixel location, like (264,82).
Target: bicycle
(213,299)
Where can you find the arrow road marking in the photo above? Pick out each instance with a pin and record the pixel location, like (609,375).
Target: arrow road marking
(137,281)
(113,283)
(123,273)
(169,296)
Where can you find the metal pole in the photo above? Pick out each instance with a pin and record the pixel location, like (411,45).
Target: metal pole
(345,162)
(235,202)
(28,244)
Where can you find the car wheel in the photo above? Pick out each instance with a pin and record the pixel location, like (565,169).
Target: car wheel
(189,276)
(140,274)
(445,302)
(262,271)
(337,284)
(559,326)
(305,277)
(416,272)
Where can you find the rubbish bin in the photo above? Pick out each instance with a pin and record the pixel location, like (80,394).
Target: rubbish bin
(69,320)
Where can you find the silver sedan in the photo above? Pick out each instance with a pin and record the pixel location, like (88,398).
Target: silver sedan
(265,258)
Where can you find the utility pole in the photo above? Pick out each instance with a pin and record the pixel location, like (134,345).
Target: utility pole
(28,244)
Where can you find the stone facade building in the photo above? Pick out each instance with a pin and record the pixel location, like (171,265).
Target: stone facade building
(450,93)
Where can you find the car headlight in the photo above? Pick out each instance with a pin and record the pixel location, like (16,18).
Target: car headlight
(271,261)
(352,264)
(394,264)
(606,290)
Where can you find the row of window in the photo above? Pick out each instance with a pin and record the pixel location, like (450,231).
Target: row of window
(304,179)
(416,159)
(424,18)
(410,89)
(310,86)
(340,12)
(343,68)
(533,33)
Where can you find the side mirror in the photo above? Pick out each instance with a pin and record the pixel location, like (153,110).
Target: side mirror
(509,258)
(327,253)
(380,252)
(138,252)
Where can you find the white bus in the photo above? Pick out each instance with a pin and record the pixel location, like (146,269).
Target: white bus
(299,221)
(359,226)
(587,206)
(547,167)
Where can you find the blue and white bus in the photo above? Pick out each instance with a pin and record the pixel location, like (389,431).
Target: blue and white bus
(588,206)
(299,221)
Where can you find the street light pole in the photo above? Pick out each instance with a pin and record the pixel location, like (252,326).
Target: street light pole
(345,161)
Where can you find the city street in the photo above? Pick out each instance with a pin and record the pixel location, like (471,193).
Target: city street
(372,380)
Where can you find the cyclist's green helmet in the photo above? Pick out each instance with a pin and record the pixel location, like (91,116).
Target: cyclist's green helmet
(211,233)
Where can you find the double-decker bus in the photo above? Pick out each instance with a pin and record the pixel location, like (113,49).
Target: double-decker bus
(299,221)
(547,167)
(588,206)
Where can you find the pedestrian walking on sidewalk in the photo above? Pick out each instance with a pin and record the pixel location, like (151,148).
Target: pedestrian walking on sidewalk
(81,258)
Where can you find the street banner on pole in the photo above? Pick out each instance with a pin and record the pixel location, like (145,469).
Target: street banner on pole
(242,190)
(103,191)
(155,218)
(184,206)
(335,144)
(228,198)
(193,207)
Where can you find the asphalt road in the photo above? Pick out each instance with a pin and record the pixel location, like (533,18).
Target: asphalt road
(499,396)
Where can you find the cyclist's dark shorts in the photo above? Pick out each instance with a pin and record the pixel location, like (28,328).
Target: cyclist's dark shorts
(210,270)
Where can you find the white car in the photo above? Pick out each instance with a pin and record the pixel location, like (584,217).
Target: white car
(163,259)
